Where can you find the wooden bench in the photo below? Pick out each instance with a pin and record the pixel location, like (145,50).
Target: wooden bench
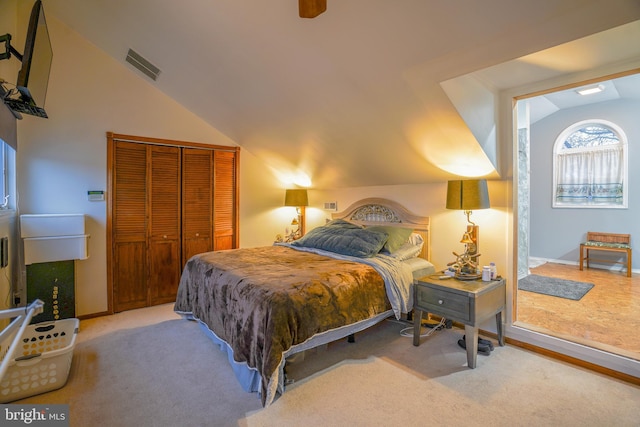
(609,242)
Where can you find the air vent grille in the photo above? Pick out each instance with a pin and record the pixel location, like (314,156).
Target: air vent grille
(146,67)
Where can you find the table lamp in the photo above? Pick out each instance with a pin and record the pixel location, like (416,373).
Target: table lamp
(299,199)
(467,195)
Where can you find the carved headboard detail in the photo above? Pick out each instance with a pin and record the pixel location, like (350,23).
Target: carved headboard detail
(374,213)
(379,211)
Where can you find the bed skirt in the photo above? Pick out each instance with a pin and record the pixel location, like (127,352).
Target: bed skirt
(250,379)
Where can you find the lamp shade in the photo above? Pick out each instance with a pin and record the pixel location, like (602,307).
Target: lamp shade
(296,197)
(467,195)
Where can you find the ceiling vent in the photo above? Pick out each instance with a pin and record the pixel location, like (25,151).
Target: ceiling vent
(146,67)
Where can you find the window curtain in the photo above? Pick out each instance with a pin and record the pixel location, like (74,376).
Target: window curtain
(590,177)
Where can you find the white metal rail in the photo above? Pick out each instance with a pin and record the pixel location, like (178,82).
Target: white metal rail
(22,319)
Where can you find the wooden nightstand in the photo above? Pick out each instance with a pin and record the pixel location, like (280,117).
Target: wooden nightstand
(468,302)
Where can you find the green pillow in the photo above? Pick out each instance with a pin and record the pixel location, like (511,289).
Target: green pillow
(398,236)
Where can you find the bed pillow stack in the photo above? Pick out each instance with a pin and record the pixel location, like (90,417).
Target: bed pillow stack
(409,249)
(346,238)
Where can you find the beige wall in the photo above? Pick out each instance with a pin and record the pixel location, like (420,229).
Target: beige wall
(447,226)
(9,68)
(61,158)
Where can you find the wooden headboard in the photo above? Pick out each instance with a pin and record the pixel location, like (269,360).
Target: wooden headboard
(378,211)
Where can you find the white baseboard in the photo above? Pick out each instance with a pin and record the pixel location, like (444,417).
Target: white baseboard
(537,261)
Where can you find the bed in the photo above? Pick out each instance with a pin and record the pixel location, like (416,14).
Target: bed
(262,305)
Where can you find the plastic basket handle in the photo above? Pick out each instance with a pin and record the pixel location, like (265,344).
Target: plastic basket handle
(45,328)
(25,358)
(29,360)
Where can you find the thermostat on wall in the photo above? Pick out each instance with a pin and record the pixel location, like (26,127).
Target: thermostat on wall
(95,195)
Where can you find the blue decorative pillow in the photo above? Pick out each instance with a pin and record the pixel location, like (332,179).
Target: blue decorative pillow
(357,242)
(342,224)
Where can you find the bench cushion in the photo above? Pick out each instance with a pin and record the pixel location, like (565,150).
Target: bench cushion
(594,243)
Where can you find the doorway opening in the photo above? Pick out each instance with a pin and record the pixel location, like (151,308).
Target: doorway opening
(608,316)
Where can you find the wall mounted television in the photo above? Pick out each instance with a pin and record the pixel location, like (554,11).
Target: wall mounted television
(30,90)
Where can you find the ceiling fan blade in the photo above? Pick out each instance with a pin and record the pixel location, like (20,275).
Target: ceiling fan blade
(311,8)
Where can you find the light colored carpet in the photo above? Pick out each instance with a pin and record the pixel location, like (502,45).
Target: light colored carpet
(149,368)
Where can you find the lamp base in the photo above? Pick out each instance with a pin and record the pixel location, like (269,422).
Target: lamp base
(466,265)
(474,233)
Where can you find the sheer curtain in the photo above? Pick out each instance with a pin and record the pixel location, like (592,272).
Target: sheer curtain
(588,177)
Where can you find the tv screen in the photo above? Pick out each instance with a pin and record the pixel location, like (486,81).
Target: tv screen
(33,77)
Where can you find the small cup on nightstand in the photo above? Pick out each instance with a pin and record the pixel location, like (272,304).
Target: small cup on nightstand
(486,273)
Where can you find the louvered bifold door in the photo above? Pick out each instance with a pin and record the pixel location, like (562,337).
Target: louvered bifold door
(225,201)
(164,202)
(197,202)
(129,253)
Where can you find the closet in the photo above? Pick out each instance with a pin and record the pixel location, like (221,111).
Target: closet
(167,201)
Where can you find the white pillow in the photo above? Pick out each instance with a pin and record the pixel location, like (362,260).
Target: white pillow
(416,239)
(409,250)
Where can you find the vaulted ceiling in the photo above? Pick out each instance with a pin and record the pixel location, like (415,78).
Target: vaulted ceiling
(355,96)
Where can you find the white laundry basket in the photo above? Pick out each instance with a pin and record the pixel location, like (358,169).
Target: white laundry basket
(41,361)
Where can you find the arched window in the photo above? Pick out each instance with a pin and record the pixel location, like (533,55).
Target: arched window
(590,166)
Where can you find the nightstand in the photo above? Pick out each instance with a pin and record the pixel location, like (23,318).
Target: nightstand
(468,302)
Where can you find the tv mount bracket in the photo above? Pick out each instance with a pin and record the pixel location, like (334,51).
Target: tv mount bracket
(8,49)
